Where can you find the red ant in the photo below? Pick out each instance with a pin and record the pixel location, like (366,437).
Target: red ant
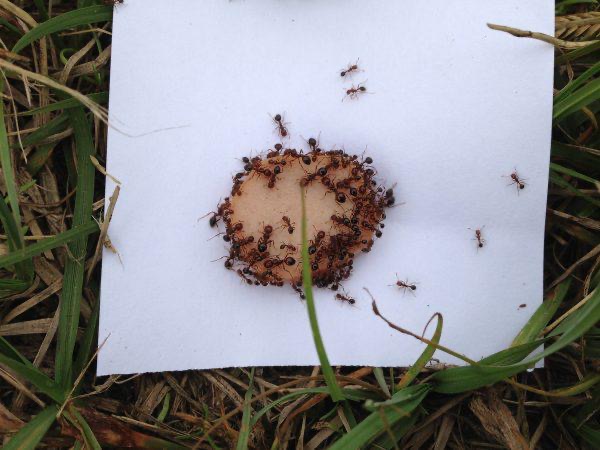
(479,237)
(222,211)
(350,69)
(405,285)
(289,247)
(246,279)
(264,241)
(355,91)
(288,223)
(518,181)
(345,297)
(299,291)
(281,125)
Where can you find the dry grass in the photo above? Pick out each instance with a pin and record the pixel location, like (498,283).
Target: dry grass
(48,171)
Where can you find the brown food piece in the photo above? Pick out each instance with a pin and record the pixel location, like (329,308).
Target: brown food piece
(263,216)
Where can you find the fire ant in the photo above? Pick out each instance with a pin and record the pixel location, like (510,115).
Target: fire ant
(288,223)
(299,291)
(516,180)
(479,237)
(264,241)
(222,211)
(281,125)
(350,69)
(354,91)
(289,247)
(246,279)
(405,285)
(345,297)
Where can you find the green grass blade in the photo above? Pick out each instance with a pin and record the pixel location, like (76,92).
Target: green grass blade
(577,99)
(380,377)
(86,346)
(33,375)
(99,97)
(571,172)
(542,315)
(242,443)
(513,354)
(11,218)
(68,20)
(460,379)
(386,415)
(76,233)
(10,352)
(88,435)
(559,181)
(576,83)
(31,434)
(7,170)
(165,408)
(56,125)
(425,357)
(74,267)
(389,440)
(334,388)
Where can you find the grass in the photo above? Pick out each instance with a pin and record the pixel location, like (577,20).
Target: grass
(55,84)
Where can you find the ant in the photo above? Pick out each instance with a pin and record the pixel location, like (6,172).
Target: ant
(243,275)
(299,291)
(355,91)
(281,125)
(350,69)
(345,297)
(516,180)
(222,211)
(479,237)
(404,285)
(289,247)
(264,241)
(288,223)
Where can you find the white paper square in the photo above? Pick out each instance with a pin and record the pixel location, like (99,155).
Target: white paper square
(455,106)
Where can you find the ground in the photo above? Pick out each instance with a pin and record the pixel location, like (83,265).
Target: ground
(55,61)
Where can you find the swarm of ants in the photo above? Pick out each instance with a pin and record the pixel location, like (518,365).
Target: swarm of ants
(269,253)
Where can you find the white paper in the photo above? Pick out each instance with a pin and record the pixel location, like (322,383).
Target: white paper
(454,107)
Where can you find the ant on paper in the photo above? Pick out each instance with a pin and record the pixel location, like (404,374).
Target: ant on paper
(354,91)
(281,125)
(345,298)
(405,285)
(516,180)
(352,68)
(479,237)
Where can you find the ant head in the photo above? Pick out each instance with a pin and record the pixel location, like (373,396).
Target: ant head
(277,117)
(312,142)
